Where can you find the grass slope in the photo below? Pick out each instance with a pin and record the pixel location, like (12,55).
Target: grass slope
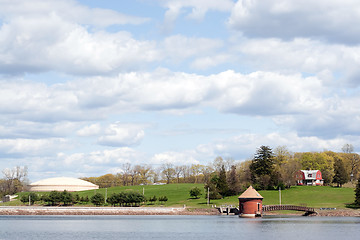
(178,196)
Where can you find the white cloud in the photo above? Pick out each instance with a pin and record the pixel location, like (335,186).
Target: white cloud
(255,94)
(331,20)
(62,44)
(67,9)
(176,158)
(304,55)
(67,47)
(91,130)
(198,9)
(243,146)
(120,134)
(21,147)
(179,47)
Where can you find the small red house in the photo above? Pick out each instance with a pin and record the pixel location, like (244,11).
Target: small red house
(309,178)
(250,203)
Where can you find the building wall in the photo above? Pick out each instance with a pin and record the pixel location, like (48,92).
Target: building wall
(61,188)
(250,207)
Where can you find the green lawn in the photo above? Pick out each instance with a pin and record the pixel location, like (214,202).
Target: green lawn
(178,196)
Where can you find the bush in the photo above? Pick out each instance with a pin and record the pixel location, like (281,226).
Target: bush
(153,199)
(55,198)
(66,197)
(195,192)
(33,198)
(163,199)
(98,199)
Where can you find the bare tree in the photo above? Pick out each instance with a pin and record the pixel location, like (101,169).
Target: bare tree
(178,171)
(168,171)
(348,149)
(14,179)
(126,172)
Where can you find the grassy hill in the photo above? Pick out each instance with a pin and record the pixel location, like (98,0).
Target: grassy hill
(178,196)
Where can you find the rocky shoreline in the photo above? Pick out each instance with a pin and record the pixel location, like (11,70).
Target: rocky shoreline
(104,211)
(145,211)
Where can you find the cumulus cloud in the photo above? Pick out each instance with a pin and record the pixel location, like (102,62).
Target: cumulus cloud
(243,146)
(332,20)
(176,158)
(120,134)
(67,9)
(67,47)
(22,147)
(179,47)
(304,55)
(91,130)
(255,94)
(198,9)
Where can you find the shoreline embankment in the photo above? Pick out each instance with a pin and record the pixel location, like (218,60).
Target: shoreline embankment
(37,210)
(25,210)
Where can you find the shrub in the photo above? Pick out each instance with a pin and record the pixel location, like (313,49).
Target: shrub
(98,199)
(33,198)
(195,192)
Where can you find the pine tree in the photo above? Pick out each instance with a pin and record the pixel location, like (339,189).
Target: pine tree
(262,167)
(341,175)
(233,181)
(357,193)
(222,185)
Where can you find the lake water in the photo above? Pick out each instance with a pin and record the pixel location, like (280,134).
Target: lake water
(177,227)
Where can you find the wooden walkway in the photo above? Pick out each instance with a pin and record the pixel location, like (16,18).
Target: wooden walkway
(308,211)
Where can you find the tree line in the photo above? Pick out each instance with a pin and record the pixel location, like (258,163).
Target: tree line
(268,168)
(65,198)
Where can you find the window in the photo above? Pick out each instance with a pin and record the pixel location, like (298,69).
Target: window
(309,175)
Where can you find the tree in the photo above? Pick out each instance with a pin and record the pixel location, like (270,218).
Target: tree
(211,187)
(153,199)
(340,176)
(233,182)
(262,167)
(14,180)
(263,162)
(222,185)
(97,199)
(54,197)
(66,197)
(163,199)
(195,192)
(168,171)
(32,197)
(357,193)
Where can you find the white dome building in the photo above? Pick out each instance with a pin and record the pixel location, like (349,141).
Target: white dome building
(61,184)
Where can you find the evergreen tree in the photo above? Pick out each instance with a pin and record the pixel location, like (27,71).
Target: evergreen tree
(357,193)
(211,187)
(195,192)
(341,175)
(66,197)
(233,182)
(262,167)
(222,185)
(97,199)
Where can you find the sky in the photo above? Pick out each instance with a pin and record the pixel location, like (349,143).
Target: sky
(87,86)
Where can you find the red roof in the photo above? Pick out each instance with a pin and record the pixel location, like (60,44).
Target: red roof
(250,193)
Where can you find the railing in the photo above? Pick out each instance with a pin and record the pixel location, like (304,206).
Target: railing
(307,210)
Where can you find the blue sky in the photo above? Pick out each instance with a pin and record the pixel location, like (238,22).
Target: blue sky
(87,86)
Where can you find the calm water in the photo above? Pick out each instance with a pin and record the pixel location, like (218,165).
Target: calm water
(177,227)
